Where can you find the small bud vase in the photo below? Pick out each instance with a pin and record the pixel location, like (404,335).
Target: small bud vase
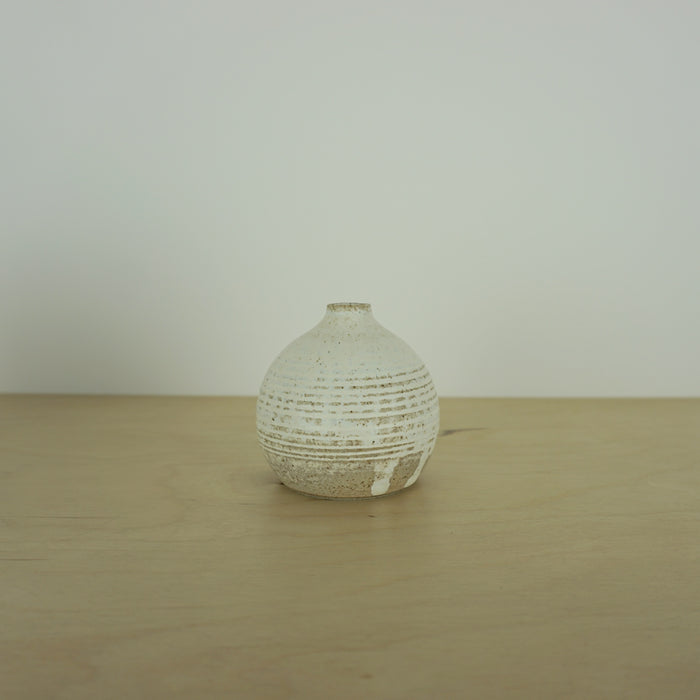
(348,410)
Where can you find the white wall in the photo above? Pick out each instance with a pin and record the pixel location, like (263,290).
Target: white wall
(514,186)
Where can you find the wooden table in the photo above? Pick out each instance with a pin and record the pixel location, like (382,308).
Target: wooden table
(551,549)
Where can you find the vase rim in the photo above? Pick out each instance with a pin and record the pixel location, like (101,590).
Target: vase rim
(349,306)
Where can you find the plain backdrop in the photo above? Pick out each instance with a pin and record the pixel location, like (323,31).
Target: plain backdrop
(514,186)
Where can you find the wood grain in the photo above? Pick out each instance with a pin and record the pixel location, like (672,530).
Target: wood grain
(551,549)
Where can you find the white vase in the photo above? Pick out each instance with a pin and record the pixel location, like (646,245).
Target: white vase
(348,410)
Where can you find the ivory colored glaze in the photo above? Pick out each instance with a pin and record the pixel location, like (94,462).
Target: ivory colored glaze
(348,410)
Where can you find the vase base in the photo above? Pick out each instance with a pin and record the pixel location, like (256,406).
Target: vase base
(347,479)
(321,497)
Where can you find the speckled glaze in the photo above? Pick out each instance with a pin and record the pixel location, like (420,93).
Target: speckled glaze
(348,410)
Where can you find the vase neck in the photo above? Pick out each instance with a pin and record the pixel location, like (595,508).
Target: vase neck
(349,313)
(350,307)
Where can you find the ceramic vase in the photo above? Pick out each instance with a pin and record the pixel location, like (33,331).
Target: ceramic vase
(348,410)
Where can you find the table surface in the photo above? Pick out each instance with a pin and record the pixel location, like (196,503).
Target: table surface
(551,549)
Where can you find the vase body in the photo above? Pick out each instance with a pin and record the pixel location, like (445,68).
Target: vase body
(348,410)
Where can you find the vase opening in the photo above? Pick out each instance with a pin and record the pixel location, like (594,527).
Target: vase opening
(349,306)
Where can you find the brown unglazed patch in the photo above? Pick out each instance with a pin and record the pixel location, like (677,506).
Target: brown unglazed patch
(404,471)
(339,479)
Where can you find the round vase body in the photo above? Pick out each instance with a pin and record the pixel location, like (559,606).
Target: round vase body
(348,410)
